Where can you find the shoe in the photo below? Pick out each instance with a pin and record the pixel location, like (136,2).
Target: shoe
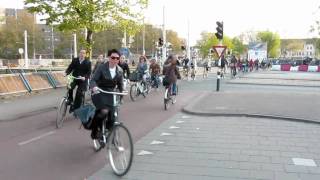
(94,135)
(71,109)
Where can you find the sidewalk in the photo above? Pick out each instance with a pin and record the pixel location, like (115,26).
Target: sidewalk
(279,105)
(208,143)
(16,108)
(279,78)
(188,147)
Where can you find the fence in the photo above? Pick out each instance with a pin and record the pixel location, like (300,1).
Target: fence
(28,82)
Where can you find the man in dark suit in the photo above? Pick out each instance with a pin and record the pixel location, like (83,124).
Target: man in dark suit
(80,67)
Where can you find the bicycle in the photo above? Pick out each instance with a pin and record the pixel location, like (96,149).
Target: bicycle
(137,89)
(233,71)
(64,103)
(116,148)
(168,97)
(193,73)
(205,72)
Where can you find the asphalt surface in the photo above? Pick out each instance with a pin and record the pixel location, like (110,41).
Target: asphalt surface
(33,149)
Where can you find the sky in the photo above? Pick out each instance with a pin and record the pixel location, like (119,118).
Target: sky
(290,19)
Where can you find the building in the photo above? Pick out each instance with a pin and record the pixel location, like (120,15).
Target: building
(257,50)
(298,48)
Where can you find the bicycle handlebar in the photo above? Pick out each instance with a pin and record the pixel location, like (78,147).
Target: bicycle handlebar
(124,93)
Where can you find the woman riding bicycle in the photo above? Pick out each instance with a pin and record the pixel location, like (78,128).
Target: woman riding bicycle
(171,72)
(108,77)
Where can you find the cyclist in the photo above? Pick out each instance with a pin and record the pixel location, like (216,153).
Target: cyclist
(193,70)
(80,67)
(185,64)
(142,67)
(233,64)
(100,60)
(108,77)
(155,71)
(124,65)
(205,69)
(171,72)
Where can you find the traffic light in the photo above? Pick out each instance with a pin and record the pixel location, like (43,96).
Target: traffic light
(160,43)
(219,33)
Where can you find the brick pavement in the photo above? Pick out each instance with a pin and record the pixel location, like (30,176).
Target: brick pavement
(225,148)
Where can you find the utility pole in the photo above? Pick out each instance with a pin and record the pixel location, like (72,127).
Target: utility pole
(26,60)
(75,45)
(164,50)
(34,36)
(52,42)
(143,39)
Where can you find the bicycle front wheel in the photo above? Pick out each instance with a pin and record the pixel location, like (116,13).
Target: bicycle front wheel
(120,150)
(61,112)
(134,92)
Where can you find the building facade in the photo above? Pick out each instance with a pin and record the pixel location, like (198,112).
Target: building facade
(298,48)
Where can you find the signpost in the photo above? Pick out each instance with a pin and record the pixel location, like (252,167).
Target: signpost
(219,50)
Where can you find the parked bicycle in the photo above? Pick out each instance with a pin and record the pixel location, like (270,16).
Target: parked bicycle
(117,142)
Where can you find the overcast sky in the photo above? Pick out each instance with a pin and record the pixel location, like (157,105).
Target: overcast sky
(291,19)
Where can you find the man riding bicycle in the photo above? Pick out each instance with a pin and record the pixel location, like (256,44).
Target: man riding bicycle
(80,67)
(185,64)
(108,77)
(155,71)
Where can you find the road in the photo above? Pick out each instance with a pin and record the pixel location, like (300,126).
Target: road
(31,147)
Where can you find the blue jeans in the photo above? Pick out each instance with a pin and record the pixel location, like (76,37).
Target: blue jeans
(174,89)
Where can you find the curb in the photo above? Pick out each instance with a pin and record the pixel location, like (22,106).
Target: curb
(266,84)
(187,110)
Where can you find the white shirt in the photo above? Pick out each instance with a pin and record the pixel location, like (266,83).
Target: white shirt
(112,72)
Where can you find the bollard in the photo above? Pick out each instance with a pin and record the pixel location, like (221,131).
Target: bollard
(218,80)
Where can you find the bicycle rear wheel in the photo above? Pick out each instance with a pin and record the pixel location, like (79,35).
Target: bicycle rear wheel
(61,112)
(166,99)
(120,150)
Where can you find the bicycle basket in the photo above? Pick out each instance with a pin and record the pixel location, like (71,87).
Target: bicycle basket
(134,76)
(85,114)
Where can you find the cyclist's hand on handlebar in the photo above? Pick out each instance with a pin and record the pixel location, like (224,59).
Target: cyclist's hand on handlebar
(82,78)
(95,90)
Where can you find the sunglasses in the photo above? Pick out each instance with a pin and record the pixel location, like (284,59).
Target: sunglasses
(115,58)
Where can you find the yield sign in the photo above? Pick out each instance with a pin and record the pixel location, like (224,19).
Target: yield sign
(220,50)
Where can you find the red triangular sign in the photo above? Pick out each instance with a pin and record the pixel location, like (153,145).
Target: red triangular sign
(220,50)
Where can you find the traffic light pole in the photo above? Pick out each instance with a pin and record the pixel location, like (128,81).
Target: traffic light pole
(219,68)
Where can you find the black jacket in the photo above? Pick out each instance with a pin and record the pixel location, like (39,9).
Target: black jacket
(77,69)
(102,79)
(125,69)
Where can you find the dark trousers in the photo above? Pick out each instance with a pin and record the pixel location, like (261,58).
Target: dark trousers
(99,116)
(82,87)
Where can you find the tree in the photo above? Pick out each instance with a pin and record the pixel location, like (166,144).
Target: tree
(238,47)
(12,35)
(208,40)
(272,40)
(92,15)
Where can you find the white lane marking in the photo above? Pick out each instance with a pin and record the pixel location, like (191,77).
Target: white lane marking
(174,127)
(166,134)
(185,117)
(143,152)
(179,122)
(156,142)
(36,138)
(197,128)
(304,162)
